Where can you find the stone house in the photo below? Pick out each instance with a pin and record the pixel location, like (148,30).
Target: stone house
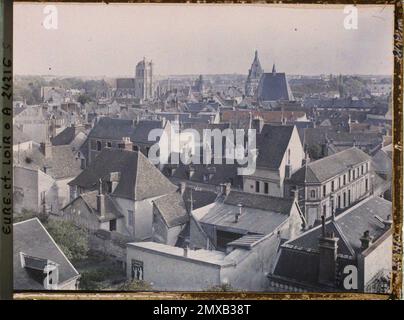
(280,154)
(331,184)
(129,181)
(41,177)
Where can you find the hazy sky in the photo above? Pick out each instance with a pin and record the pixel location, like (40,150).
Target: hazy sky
(100,39)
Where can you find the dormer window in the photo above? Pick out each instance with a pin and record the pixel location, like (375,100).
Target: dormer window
(99,146)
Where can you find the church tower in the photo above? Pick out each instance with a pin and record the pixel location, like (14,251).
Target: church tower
(254,75)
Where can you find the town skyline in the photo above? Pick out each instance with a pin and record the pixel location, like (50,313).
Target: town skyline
(201,48)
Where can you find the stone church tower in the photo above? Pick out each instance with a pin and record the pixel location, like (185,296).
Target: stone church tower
(144,80)
(254,76)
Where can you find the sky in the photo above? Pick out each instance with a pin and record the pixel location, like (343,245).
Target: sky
(108,40)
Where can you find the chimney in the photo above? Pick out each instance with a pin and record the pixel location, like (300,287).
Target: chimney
(126,144)
(258,124)
(46,149)
(238,213)
(327,245)
(225,188)
(288,171)
(366,240)
(186,248)
(100,200)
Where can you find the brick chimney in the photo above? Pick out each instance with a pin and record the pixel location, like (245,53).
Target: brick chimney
(327,245)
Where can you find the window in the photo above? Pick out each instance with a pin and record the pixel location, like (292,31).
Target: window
(366,167)
(362,169)
(339,202)
(266,187)
(350,175)
(349,197)
(367,185)
(109,144)
(332,186)
(137,269)
(135,148)
(98,145)
(344,179)
(353,174)
(257,186)
(312,193)
(339,182)
(112,225)
(130,218)
(324,190)
(344,199)
(324,210)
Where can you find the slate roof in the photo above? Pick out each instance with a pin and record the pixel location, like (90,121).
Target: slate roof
(274,86)
(348,227)
(272,143)
(257,201)
(142,129)
(116,129)
(139,178)
(66,136)
(259,215)
(111,207)
(172,209)
(213,174)
(200,198)
(326,168)
(31,238)
(382,163)
(110,128)
(62,163)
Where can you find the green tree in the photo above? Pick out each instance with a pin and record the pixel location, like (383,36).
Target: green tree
(71,239)
(314,151)
(135,285)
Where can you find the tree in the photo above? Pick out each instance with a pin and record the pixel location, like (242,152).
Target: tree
(72,240)
(135,285)
(83,99)
(314,151)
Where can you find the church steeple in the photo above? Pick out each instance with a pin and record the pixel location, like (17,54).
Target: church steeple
(254,75)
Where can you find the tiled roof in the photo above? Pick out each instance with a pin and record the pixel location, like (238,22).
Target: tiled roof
(31,238)
(323,169)
(172,209)
(110,128)
(62,163)
(139,178)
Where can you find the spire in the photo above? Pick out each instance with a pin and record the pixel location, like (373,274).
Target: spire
(273,69)
(256,54)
